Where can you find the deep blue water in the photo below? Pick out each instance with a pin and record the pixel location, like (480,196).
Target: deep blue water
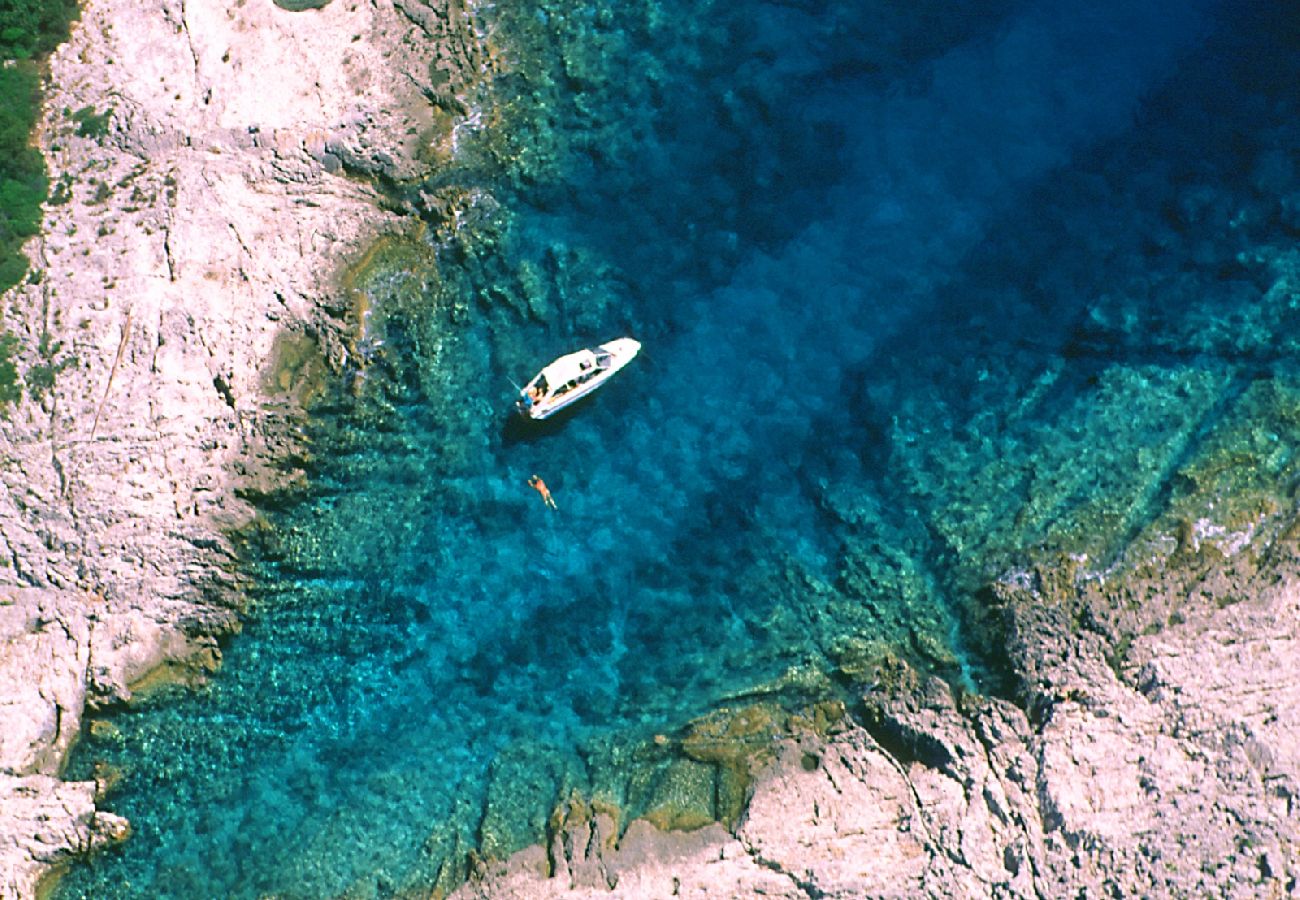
(920,286)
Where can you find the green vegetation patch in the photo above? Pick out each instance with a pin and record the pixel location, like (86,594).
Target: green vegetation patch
(22,169)
(30,28)
(91,124)
(40,377)
(10,390)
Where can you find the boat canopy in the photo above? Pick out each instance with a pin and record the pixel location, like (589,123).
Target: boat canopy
(570,368)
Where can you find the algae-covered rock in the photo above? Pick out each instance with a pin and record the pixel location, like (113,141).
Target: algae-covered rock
(683,797)
(734,737)
(737,741)
(524,781)
(297,370)
(870,662)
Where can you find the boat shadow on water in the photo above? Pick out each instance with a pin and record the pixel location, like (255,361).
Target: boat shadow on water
(519,429)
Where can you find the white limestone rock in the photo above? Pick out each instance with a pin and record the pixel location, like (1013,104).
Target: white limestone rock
(46,822)
(44,646)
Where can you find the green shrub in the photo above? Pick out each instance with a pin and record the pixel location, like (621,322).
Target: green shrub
(90,123)
(40,377)
(9,388)
(62,191)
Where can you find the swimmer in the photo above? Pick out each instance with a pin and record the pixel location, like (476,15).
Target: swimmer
(538,485)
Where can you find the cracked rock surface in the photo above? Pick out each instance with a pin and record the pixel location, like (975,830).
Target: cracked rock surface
(1172,775)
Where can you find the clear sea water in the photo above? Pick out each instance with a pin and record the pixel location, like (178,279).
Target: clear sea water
(923,288)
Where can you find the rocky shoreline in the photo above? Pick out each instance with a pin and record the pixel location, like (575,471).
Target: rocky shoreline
(204,159)
(1165,769)
(216,169)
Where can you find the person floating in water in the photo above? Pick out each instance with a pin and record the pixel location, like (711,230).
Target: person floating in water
(536,483)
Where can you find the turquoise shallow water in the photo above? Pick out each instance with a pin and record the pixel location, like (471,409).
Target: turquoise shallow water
(919,287)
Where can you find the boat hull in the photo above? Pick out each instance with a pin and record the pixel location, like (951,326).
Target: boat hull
(574,376)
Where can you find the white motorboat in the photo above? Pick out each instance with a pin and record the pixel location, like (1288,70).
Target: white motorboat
(574,376)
